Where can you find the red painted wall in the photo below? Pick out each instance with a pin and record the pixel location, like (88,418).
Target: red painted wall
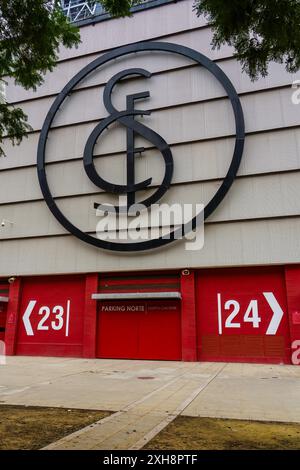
(13,313)
(239,315)
(139,282)
(90,317)
(4,289)
(292,274)
(188,316)
(54,308)
(3,308)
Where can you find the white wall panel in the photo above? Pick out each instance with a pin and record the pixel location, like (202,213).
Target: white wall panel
(19,155)
(64,71)
(230,244)
(249,198)
(154,62)
(141,26)
(263,111)
(267,152)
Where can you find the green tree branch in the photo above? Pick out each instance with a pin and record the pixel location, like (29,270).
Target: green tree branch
(260,31)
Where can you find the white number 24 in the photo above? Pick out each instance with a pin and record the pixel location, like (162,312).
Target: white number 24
(251,315)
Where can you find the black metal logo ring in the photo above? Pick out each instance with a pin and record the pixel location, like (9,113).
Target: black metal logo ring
(127,118)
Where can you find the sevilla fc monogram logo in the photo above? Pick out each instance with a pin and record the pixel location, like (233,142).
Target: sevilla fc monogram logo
(133,127)
(128,119)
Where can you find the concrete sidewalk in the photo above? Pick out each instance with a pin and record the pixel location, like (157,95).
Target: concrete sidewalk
(147,395)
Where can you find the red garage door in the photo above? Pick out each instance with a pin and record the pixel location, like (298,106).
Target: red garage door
(51,316)
(242,316)
(139,330)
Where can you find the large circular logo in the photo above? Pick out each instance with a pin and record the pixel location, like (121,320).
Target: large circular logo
(127,119)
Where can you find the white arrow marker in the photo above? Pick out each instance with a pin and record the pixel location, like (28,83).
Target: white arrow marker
(26,317)
(277,313)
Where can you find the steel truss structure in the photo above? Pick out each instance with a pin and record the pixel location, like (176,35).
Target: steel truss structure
(77,10)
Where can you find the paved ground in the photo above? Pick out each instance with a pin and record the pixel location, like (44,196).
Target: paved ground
(147,395)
